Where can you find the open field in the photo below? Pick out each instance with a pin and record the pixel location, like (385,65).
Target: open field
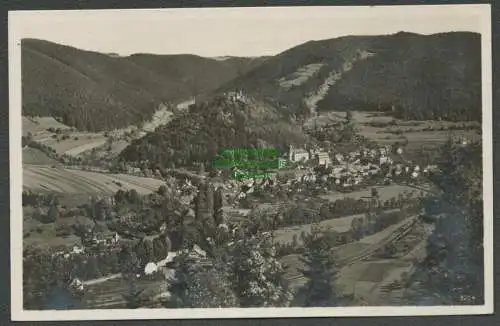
(45,235)
(372,280)
(115,148)
(78,143)
(110,294)
(382,293)
(357,276)
(36,157)
(75,142)
(343,224)
(300,76)
(160,117)
(418,133)
(72,142)
(38,125)
(351,252)
(381,128)
(76,181)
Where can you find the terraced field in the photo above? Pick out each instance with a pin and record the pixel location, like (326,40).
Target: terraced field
(77,182)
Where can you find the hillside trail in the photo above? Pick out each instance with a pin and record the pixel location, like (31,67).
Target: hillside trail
(314,98)
(102,279)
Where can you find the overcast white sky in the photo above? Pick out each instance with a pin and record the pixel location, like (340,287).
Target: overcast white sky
(232,31)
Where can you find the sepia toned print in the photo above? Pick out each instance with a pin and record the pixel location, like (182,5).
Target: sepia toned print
(202,159)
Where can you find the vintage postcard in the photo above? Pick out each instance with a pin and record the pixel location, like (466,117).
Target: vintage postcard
(251,162)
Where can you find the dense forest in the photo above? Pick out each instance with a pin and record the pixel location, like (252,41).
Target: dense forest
(95,91)
(453,271)
(421,76)
(198,135)
(410,75)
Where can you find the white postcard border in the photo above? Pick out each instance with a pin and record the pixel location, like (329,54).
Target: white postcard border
(15,123)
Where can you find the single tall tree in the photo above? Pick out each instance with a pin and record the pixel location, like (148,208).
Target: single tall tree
(53,214)
(257,276)
(320,271)
(218,210)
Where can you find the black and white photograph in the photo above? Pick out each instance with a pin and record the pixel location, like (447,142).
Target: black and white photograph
(251,162)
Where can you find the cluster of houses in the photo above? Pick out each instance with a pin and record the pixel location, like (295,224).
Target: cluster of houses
(236,96)
(352,168)
(109,239)
(320,157)
(343,170)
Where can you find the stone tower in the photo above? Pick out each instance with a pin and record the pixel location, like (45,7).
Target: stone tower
(290,152)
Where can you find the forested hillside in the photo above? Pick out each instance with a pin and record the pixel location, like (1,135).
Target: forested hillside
(420,76)
(198,135)
(95,91)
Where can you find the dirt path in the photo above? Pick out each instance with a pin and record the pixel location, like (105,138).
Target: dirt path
(119,275)
(102,279)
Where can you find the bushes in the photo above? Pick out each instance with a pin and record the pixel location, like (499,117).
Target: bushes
(343,207)
(64,230)
(300,214)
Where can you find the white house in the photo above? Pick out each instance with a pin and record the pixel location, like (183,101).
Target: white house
(236,95)
(170,258)
(78,250)
(297,154)
(77,284)
(322,159)
(150,268)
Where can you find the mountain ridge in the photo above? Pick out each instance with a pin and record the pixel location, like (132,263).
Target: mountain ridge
(404,54)
(95,91)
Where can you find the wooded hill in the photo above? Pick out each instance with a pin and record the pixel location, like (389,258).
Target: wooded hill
(412,76)
(198,135)
(96,91)
(420,76)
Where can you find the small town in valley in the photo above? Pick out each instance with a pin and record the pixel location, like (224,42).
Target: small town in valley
(335,173)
